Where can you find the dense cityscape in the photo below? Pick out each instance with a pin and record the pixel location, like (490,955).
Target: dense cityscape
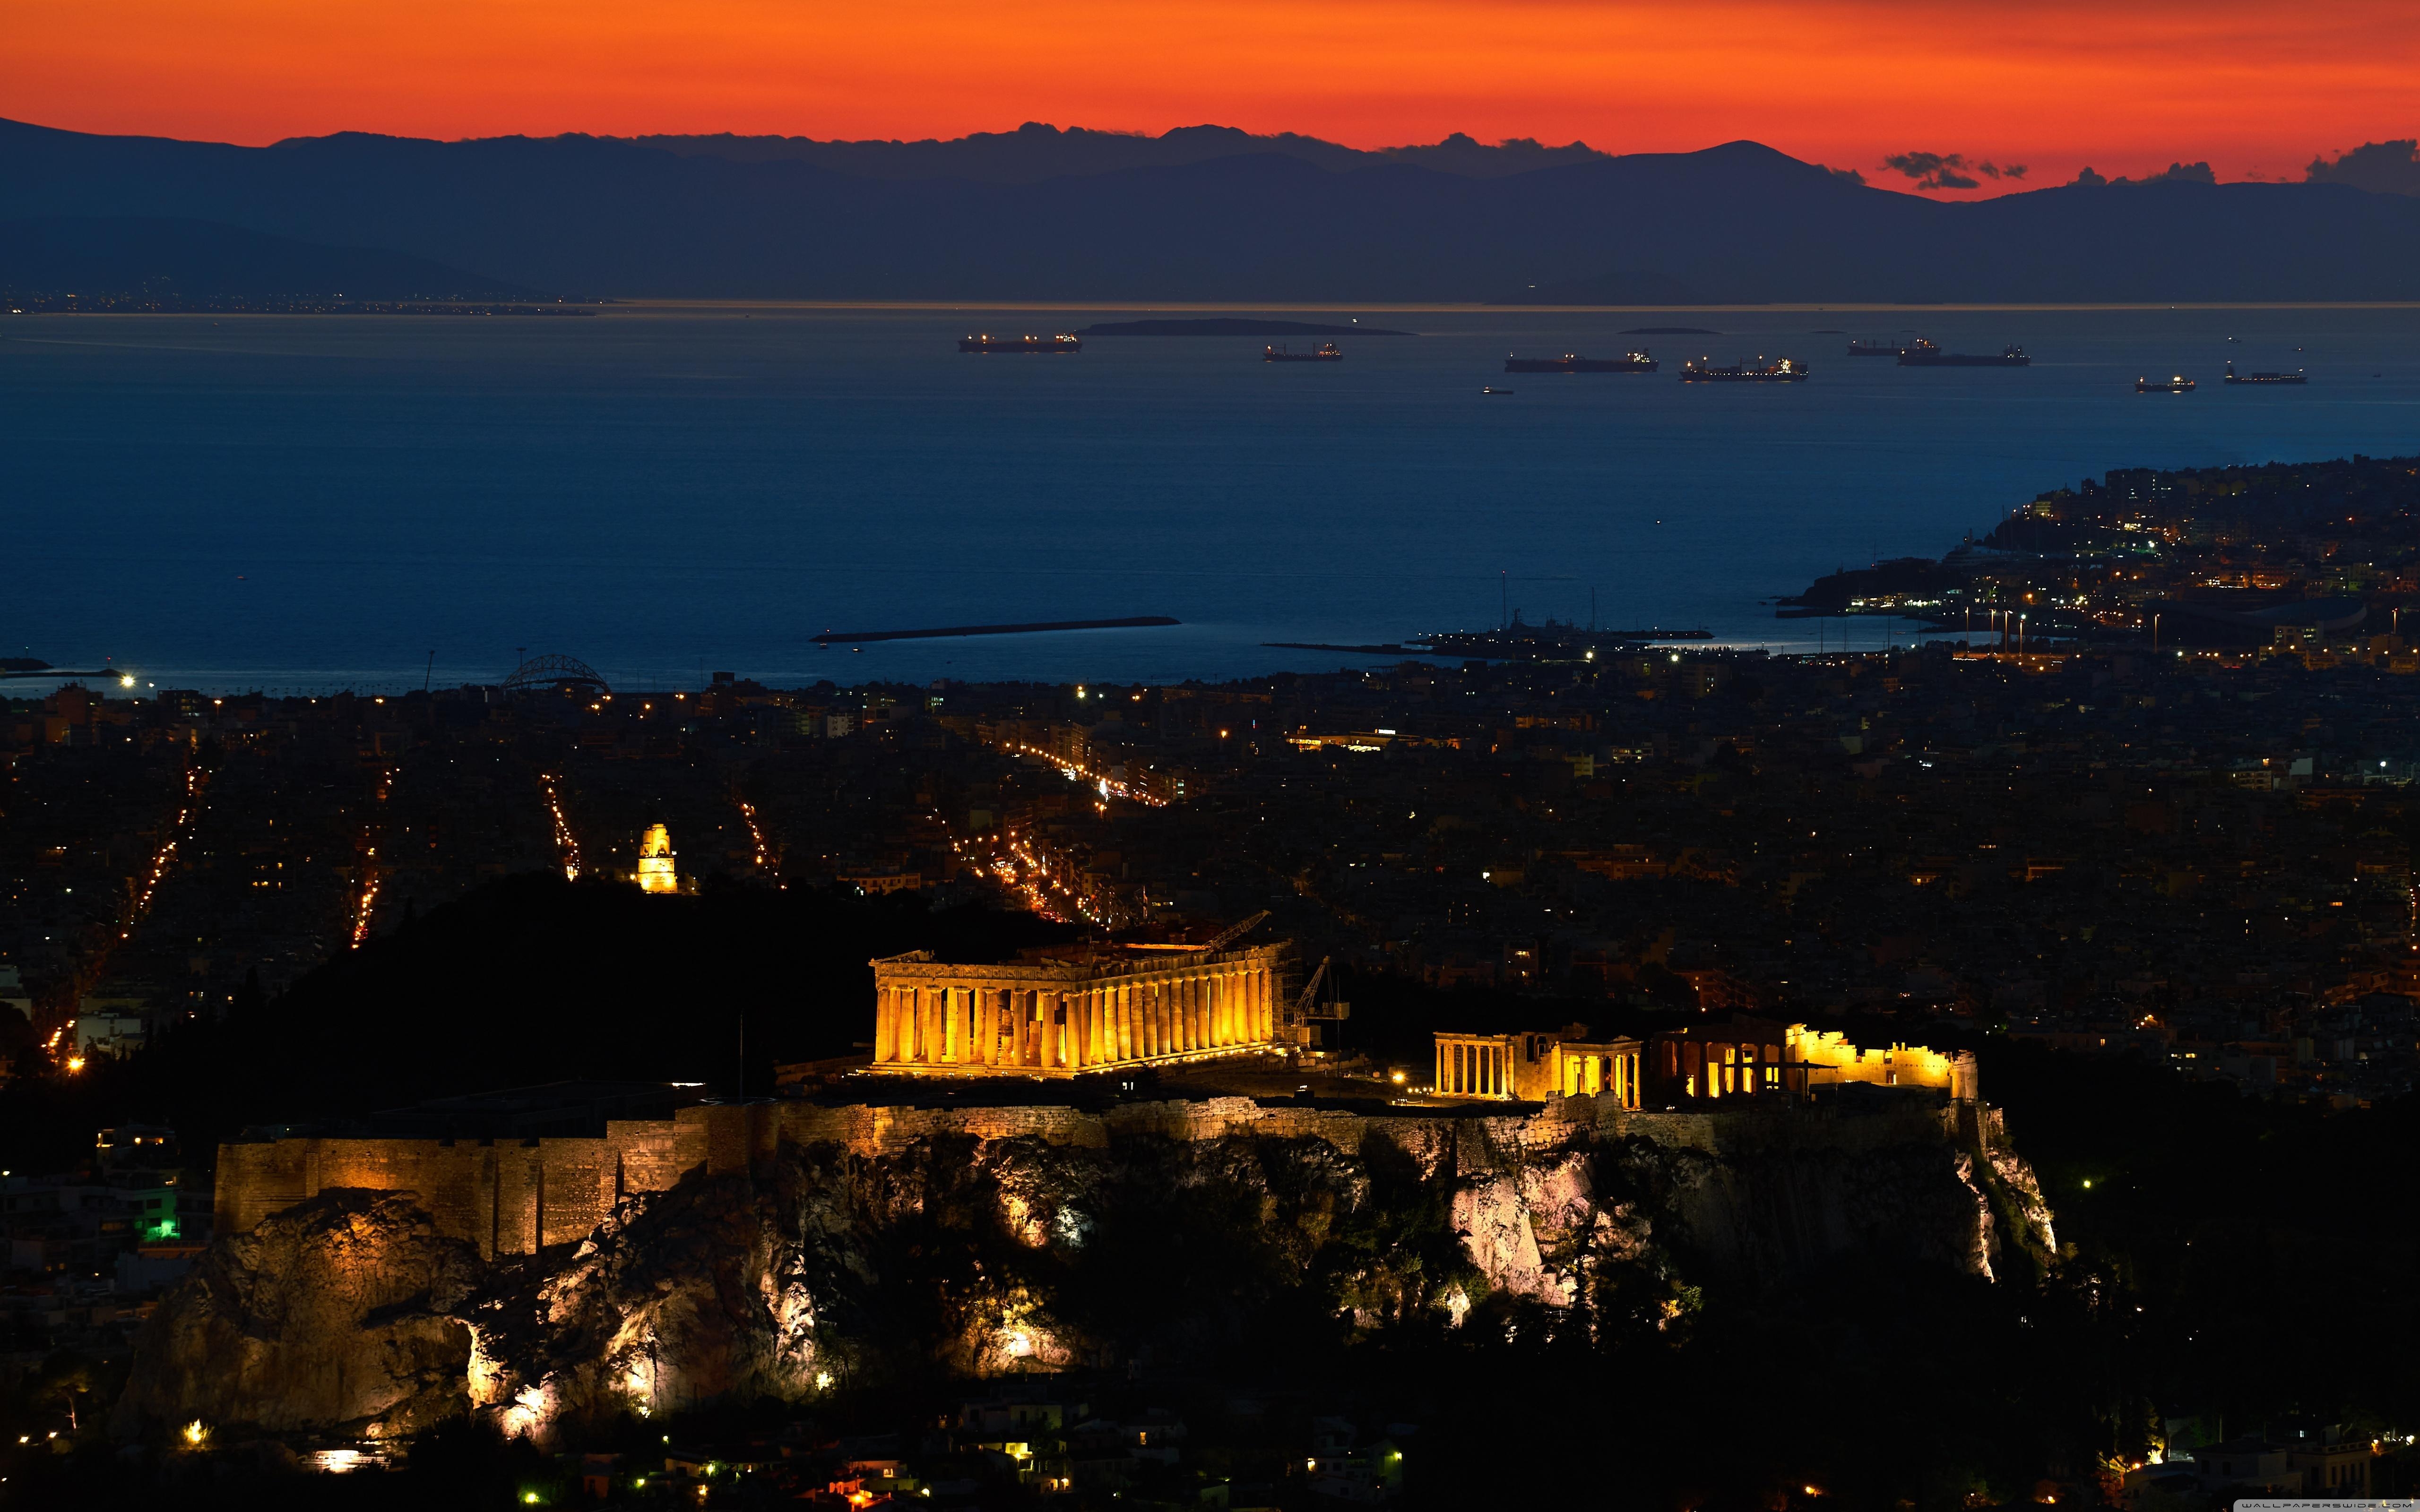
(2164,895)
(1670,764)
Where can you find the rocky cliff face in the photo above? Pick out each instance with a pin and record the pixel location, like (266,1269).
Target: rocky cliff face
(345,1312)
(830,1263)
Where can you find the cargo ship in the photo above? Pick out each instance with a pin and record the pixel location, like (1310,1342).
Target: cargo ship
(1324,352)
(2180,384)
(1061,343)
(1781,370)
(1568,362)
(1925,354)
(1873,346)
(2234,377)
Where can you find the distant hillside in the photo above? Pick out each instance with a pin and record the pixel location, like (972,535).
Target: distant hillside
(1229,326)
(1733,224)
(1616,288)
(201,260)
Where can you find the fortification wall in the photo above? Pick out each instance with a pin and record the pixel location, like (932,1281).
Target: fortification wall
(506,1196)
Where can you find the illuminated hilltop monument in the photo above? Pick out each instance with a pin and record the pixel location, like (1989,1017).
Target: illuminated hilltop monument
(1089,1009)
(656,871)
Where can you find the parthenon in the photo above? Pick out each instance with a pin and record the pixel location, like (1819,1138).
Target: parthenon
(1091,1011)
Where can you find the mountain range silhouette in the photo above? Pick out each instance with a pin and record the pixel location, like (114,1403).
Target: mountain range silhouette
(1201,214)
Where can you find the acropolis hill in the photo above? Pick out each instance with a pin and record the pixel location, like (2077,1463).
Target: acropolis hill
(387,1282)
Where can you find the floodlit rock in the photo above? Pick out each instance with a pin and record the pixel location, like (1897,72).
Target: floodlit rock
(685,1298)
(339,1313)
(955,1250)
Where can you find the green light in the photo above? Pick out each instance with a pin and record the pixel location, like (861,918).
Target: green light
(529,1498)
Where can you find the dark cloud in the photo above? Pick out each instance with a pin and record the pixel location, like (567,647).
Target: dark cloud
(1921,164)
(1850,173)
(2175,173)
(2381,167)
(1947,170)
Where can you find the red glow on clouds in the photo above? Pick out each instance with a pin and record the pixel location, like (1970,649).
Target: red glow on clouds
(2253,86)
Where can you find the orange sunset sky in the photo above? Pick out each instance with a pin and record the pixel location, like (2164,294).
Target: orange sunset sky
(2254,88)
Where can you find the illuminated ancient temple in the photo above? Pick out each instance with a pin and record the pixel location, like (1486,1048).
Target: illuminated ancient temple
(1081,1011)
(1533,1067)
(1743,1058)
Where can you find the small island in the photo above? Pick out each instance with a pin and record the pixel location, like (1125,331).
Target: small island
(1231,326)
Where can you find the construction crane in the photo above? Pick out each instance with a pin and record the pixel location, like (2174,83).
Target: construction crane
(1233,933)
(1307,1010)
(1307,1006)
(1310,991)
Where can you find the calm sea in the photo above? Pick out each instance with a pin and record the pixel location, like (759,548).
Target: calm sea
(308,502)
